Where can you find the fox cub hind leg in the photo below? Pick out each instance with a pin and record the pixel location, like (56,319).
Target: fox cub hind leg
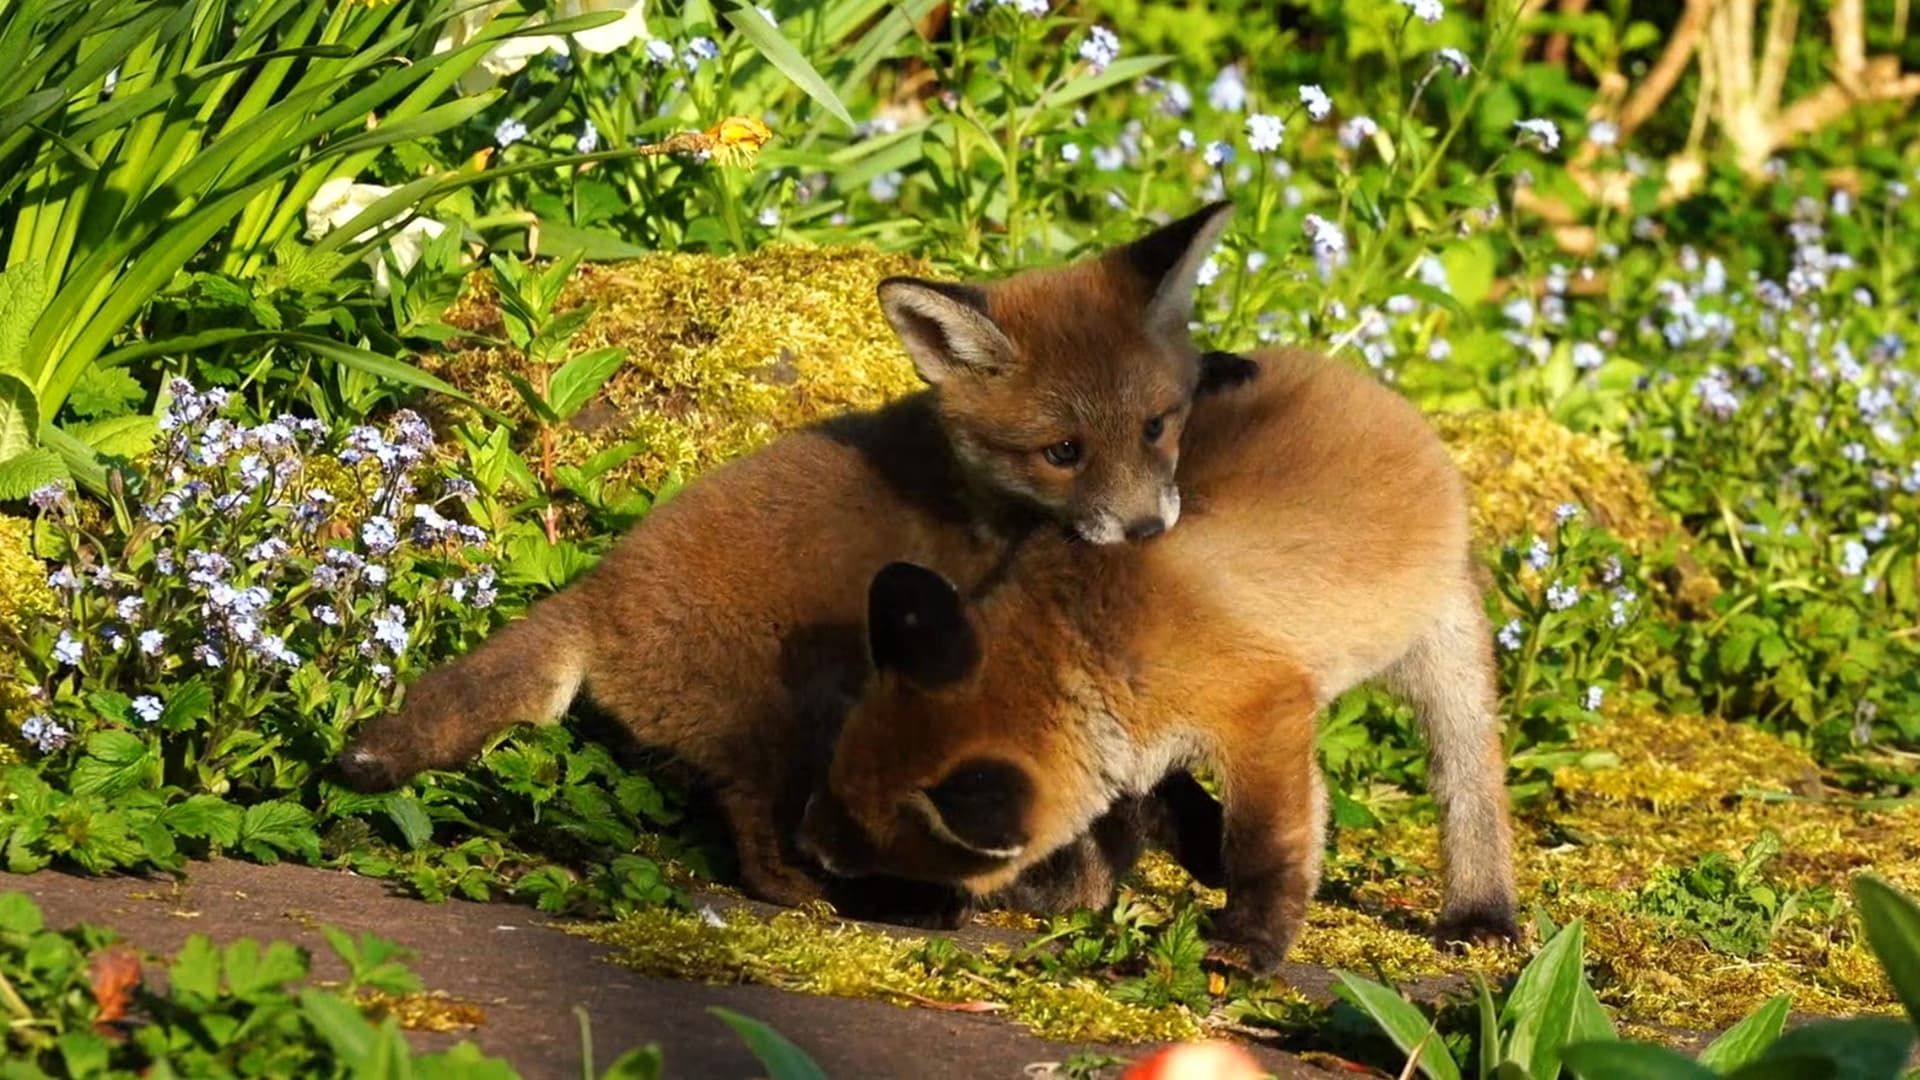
(1276,825)
(1448,678)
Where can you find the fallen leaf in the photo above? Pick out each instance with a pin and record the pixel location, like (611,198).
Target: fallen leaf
(115,974)
(957,1006)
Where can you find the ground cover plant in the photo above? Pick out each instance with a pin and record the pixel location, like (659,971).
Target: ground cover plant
(330,337)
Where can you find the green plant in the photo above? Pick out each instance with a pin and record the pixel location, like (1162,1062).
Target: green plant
(1731,905)
(1552,1020)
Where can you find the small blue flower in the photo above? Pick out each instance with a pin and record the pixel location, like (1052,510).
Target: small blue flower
(659,53)
(45,733)
(1539,554)
(1453,60)
(379,535)
(148,708)
(1228,91)
(1217,153)
(1264,133)
(1561,597)
(151,642)
(769,217)
(589,139)
(1100,48)
(68,650)
(1541,132)
(49,497)
(509,131)
(1356,131)
(1565,512)
(128,608)
(1595,696)
(1427,11)
(697,52)
(1853,558)
(1512,635)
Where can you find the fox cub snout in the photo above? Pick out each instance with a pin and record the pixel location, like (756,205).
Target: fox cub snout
(1066,388)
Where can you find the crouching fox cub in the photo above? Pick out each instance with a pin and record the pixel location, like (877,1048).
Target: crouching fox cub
(1325,543)
(717,626)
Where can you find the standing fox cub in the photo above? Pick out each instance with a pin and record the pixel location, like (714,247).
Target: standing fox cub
(720,625)
(1326,544)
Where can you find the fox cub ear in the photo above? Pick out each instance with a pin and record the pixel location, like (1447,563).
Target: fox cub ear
(982,806)
(917,626)
(1167,261)
(945,328)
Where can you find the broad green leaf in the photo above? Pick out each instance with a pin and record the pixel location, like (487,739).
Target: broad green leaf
(783,1060)
(1489,1028)
(407,815)
(464,1062)
(642,1064)
(1748,1039)
(122,436)
(1630,1061)
(1590,1020)
(104,391)
(116,761)
(19,914)
(195,969)
(250,969)
(779,52)
(186,705)
(579,379)
(1407,1026)
(23,295)
(270,828)
(204,817)
(1892,922)
(1541,1007)
(1867,1048)
(341,1024)
(530,396)
(23,474)
(19,416)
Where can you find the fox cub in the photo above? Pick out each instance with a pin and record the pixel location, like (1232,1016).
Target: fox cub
(1325,544)
(716,627)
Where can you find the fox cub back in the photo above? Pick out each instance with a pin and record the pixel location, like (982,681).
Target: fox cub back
(1328,545)
(1066,388)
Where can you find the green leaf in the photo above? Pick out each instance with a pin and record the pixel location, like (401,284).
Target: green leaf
(765,37)
(23,295)
(1124,70)
(1867,1048)
(251,971)
(19,416)
(1590,1020)
(204,817)
(411,819)
(25,473)
(1892,922)
(536,404)
(116,762)
(195,970)
(187,705)
(121,437)
(1407,1026)
(782,1059)
(19,914)
(579,379)
(642,1064)
(271,828)
(338,1022)
(104,391)
(1748,1039)
(464,1062)
(1541,1006)
(1630,1061)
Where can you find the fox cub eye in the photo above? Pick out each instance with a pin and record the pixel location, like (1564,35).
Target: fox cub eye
(1063,454)
(1155,428)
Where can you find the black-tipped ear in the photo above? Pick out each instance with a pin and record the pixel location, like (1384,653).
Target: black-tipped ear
(983,806)
(945,328)
(1167,261)
(917,626)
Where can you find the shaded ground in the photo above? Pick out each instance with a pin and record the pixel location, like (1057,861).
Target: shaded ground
(528,977)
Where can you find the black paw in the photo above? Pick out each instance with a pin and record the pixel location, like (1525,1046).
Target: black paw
(902,903)
(1263,943)
(366,771)
(1491,924)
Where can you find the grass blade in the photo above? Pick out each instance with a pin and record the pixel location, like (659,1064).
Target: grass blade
(1407,1026)
(779,52)
(1892,922)
(1748,1039)
(784,1061)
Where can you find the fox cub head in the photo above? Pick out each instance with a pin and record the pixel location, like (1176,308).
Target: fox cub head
(1068,386)
(937,774)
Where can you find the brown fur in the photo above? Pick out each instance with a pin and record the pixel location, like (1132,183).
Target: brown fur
(727,624)
(1326,544)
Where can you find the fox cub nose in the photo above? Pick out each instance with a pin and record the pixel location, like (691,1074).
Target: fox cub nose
(1146,528)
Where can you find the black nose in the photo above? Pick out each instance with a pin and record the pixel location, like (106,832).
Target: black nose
(1145,528)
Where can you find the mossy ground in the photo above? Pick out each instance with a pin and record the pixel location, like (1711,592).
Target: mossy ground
(728,351)
(24,598)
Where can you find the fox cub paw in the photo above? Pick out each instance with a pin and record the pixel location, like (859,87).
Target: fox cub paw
(1476,925)
(1254,934)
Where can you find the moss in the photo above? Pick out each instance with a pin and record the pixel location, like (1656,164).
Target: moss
(423,1010)
(723,352)
(24,598)
(811,952)
(1521,464)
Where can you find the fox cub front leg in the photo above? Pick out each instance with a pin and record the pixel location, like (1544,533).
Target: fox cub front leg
(1275,835)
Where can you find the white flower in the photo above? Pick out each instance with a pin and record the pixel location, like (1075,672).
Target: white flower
(1100,48)
(1217,153)
(148,708)
(1356,131)
(1264,133)
(1603,133)
(340,200)
(1539,554)
(68,649)
(1324,235)
(1427,11)
(1511,635)
(1070,153)
(1228,91)
(1588,356)
(1565,512)
(1208,273)
(509,55)
(769,217)
(1453,60)
(1317,102)
(1562,597)
(1853,558)
(1541,131)
(1594,697)
(151,642)
(659,53)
